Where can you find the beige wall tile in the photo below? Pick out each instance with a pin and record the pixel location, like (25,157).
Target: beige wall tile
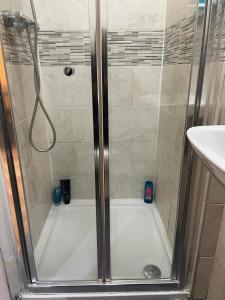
(145,123)
(147,85)
(82,185)
(216,191)
(121,85)
(176,10)
(204,270)
(136,14)
(144,157)
(121,124)
(175,84)
(36,173)
(210,231)
(72,124)
(133,123)
(120,158)
(55,15)
(23,5)
(220,251)
(22,91)
(61,90)
(72,158)
(129,186)
(217,283)
(22,130)
(7,4)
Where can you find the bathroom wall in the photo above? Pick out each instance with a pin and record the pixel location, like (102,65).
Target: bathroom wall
(135,47)
(180,22)
(135,44)
(217,281)
(64,40)
(35,166)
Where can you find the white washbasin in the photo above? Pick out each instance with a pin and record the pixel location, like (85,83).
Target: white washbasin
(209,144)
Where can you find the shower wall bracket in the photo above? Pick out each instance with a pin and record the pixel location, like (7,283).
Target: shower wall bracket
(17,20)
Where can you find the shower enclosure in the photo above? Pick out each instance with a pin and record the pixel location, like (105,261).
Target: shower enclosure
(115,80)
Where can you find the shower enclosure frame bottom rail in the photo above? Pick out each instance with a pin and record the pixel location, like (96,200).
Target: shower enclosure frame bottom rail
(181,295)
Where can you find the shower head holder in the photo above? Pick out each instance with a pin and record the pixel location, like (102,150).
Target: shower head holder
(17,20)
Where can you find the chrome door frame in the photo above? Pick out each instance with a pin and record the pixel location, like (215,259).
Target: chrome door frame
(17,203)
(98,37)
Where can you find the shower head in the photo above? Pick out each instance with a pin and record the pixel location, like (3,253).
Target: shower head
(17,20)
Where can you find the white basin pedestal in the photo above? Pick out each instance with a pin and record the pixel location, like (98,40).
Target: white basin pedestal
(209,144)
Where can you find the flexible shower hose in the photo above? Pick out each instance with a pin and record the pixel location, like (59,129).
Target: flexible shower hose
(37,85)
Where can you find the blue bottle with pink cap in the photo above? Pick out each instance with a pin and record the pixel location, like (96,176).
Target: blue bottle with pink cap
(148,192)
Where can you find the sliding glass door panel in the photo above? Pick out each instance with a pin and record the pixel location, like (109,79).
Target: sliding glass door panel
(63,234)
(148,94)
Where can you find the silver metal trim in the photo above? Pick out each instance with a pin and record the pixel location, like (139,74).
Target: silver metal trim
(181,295)
(114,282)
(100,119)
(105,124)
(117,286)
(13,175)
(95,104)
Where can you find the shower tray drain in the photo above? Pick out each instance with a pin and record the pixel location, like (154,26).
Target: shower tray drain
(152,272)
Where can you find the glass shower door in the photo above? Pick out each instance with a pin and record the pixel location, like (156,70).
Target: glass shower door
(147,113)
(63,236)
(64,42)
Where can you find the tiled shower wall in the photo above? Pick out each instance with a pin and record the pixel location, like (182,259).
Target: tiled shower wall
(135,60)
(146,106)
(135,45)
(68,99)
(35,166)
(180,22)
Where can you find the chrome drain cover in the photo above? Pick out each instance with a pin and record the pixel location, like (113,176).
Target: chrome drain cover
(152,272)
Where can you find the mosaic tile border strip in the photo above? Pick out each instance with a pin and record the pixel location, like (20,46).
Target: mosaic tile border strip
(61,48)
(179,40)
(126,48)
(15,46)
(220,36)
(135,48)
